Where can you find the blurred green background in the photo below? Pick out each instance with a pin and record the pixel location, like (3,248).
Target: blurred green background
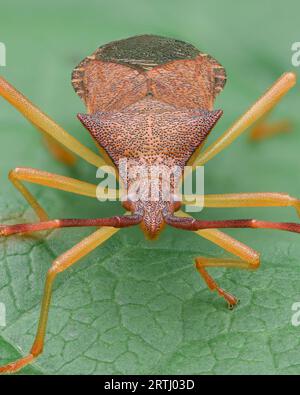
(133,306)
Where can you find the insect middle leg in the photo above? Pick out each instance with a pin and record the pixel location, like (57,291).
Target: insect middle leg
(60,264)
(247,258)
(255,199)
(259,109)
(57,136)
(21,174)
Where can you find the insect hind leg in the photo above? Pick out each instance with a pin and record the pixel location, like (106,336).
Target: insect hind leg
(258,110)
(265,128)
(61,141)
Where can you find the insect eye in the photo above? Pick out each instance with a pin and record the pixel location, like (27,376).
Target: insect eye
(128,204)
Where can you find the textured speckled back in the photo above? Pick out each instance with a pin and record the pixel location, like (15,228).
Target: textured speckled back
(123,72)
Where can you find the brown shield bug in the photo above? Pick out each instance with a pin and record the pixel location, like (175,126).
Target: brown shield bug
(149,100)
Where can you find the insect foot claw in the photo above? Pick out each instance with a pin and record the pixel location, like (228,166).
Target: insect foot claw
(230,299)
(231,306)
(14,367)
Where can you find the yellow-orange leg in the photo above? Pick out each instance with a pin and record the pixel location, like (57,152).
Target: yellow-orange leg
(255,199)
(247,259)
(266,129)
(259,109)
(58,151)
(59,265)
(45,124)
(21,174)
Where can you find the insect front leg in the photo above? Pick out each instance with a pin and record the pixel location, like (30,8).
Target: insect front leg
(245,258)
(60,264)
(202,263)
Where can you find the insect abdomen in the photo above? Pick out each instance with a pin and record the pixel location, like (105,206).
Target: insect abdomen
(123,72)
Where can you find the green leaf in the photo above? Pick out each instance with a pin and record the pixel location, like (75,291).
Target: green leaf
(134,306)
